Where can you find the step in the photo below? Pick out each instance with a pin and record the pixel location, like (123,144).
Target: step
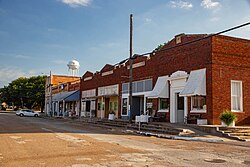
(240,134)
(234,128)
(173,131)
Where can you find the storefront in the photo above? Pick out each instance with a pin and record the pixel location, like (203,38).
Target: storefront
(195,90)
(66,104)
(160,95)
(88,103)
(107,102)
(140,90)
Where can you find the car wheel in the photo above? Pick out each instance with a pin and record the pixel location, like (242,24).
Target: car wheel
(35,115)
(21,115)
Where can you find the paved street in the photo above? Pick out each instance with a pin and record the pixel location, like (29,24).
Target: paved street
(32,141)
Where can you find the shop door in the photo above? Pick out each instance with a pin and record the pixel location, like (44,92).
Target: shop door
(106,107)
(135,107)
(180,109)
(88,106)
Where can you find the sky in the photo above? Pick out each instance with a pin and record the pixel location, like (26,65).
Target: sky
(37,36)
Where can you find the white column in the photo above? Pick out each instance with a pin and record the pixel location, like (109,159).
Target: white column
(53,109)
(63,108)
(78,108)
(185,107)
(145,105)
(101,108)
(58,108)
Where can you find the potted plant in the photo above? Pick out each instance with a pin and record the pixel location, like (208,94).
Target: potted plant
(228,118)
(111,115)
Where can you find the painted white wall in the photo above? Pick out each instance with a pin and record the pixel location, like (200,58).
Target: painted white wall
(177,84)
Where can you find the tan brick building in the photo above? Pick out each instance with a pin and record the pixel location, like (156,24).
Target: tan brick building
(58,88)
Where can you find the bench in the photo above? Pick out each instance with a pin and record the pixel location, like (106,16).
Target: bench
(192,118)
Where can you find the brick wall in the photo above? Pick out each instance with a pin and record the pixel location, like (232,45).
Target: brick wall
(187,58)
(225,60)
(231,61)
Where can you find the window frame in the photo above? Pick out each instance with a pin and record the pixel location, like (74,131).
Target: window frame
(241,96)
(159,105)
(124,106)
(195,110)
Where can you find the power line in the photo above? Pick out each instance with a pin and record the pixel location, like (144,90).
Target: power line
(186,43)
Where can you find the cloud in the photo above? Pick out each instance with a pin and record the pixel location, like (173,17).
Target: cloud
(214,19)
(147,20)
(181,4)
(60,62)
(76,3)
(22,57)
(8,74)
(209,4)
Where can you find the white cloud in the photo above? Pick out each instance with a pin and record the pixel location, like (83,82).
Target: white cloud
(22,57)
(76,3)
(209,4)
(8,74)
(214,19)
(60,62)
(148,20)
(181,4)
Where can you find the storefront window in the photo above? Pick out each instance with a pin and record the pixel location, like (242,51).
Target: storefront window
(149,106)
(124,106)
(111,106)
(100,106)
(198,103)
(115,105)
(163,104)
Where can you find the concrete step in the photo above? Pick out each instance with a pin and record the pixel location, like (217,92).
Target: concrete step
(159,130)
(240,134)
(243,138)
(234,128)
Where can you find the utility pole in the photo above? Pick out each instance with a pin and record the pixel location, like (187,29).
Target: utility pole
(50,87)
(130,69)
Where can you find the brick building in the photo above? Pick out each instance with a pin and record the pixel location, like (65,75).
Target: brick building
(183,79)
(62,94)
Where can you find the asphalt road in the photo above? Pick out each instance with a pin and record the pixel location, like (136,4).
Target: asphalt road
(27,141)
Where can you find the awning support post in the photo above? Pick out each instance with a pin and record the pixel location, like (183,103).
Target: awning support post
(63,108)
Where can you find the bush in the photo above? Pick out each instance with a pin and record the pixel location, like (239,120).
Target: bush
(228,117)
(112,112)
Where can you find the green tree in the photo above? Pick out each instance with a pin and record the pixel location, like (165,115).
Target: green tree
(25,92)
(160,46)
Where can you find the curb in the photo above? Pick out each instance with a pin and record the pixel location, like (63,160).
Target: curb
(175,137)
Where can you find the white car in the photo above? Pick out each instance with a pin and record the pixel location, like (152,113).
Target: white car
(27,112)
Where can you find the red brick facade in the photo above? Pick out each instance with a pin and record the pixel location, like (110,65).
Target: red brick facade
(230,61)
(225,59)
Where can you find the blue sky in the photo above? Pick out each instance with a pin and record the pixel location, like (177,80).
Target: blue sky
(37,36)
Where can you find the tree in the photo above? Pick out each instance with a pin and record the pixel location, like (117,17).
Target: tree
(25,92)
(160,46)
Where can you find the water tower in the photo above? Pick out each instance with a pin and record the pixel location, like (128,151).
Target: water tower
(74,66)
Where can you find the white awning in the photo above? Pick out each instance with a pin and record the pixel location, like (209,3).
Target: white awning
(161,89)
(196,84)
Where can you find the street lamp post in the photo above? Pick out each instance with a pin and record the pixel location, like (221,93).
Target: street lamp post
(130,68)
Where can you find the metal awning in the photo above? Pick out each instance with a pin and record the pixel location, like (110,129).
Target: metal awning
(161,88)
(196,84)
(67,96)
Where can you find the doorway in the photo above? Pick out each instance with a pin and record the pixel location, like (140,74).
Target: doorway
(106,107)
(179,108)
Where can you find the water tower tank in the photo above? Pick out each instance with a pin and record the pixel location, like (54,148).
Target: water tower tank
(73,66)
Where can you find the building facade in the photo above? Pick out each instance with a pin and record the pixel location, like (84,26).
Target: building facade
(196,76)
(62,95)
